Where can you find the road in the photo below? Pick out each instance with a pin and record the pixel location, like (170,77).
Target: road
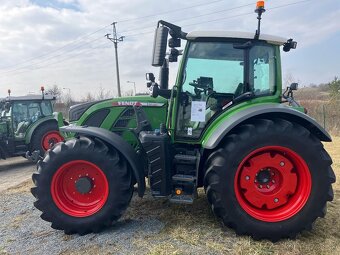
(14,171)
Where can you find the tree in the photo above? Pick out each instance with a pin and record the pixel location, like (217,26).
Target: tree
(56,91)
(334,89)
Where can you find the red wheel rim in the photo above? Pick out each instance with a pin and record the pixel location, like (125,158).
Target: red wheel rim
(51,138)
(67,196)
(272,183)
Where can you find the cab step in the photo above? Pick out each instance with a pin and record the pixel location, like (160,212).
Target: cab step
(184,189)
(182,199)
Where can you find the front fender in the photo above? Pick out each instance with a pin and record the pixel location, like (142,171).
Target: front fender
(265,111)
(118,143)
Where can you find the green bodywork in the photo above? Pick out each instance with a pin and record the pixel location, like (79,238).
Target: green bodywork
(156,113)
(167,112)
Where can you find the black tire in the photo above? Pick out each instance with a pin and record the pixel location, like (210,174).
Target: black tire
(222,168)
(39,134)
(113,166)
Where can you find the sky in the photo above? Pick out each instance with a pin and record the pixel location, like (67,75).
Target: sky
(62,42)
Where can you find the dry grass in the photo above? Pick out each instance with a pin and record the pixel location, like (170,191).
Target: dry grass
(321,108)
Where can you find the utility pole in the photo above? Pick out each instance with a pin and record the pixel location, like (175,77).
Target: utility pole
(115,41)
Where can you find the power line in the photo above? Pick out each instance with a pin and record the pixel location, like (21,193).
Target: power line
(148,32)
(104,27)
(52,57)
(166,12)
(59,61)
(224,18)
(197,16)
(60,48)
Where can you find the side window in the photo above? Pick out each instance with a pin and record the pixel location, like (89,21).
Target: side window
(46,108)
(262,70)
(34,111)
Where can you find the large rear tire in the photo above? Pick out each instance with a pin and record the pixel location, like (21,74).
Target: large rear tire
(82,186)
(270,179)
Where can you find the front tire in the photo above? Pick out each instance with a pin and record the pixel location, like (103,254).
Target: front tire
(82,186)
(270,179)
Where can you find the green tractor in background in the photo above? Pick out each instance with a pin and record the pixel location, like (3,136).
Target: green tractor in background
(27,125)
(225,125)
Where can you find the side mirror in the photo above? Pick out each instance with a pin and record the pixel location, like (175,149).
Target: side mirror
(290,44)
(150,77)
(159,45)
(294,86)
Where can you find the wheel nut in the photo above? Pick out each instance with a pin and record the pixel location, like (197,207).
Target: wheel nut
(276,200)
(282,163)
(260,186)
(268,186)
(247,178)
(273,181)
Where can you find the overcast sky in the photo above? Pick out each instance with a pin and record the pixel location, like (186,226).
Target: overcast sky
(46,42)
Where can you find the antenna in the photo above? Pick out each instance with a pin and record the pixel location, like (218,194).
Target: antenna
(259,10)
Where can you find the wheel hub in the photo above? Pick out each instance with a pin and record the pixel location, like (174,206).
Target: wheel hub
(264,176)
(84,185)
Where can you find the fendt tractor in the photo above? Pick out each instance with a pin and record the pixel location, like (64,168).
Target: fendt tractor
(27,125)
(225,125)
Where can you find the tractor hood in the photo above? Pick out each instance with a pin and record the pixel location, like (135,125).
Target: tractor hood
(118,115)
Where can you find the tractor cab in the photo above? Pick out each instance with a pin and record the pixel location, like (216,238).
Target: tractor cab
(219,72)
(22,112)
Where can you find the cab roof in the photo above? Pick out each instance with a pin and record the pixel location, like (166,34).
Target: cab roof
(27,98)
(272,39)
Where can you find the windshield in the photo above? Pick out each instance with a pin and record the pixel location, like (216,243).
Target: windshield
(215,73)
(219,62)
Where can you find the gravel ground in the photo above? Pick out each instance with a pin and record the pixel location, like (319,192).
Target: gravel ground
(23,232)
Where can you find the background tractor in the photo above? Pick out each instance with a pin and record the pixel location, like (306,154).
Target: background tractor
(27,124)
(224,126)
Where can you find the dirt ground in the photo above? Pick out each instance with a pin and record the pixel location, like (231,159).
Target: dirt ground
(149,226)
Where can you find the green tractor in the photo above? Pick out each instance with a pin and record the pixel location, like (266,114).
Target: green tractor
(225,126)
(27,125)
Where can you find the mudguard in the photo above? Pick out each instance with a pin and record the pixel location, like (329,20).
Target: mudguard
(117,142)
(35,125)
(265,111)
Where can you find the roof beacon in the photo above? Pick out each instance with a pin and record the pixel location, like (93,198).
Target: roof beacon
(259,10)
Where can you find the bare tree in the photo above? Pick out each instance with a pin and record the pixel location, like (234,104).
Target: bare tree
(56,91)
(103,94)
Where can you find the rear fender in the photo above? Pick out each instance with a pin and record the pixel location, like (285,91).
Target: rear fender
(118,143)
(269,111)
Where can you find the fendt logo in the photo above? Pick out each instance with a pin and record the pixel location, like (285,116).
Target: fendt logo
(136,103)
